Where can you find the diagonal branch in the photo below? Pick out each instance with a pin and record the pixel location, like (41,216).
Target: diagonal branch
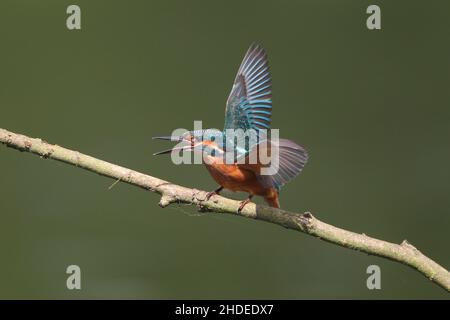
(170,193)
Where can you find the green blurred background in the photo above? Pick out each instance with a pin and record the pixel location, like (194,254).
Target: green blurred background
(372,107)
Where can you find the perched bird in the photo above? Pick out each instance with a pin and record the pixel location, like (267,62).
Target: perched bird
(249,107)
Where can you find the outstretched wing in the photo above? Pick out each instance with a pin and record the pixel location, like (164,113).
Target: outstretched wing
(291,160)
(249,105)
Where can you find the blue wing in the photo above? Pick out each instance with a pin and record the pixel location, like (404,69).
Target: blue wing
(249,105)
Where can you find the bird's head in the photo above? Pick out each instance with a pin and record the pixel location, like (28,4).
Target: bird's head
(208,141)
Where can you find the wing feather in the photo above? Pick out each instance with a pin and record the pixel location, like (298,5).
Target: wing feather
(249,105)
(291,161)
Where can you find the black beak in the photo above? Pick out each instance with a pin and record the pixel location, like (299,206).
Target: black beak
(169,138)
(163,152)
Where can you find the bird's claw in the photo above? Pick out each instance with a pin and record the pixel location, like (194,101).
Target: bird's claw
(210,194)
(243,204)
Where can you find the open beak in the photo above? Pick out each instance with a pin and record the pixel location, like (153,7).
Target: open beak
(171,138)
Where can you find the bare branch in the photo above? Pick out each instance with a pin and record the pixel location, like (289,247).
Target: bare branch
(404,253)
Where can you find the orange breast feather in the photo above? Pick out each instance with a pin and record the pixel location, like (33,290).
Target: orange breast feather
(235,177)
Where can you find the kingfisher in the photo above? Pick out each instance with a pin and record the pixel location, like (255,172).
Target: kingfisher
(248,109)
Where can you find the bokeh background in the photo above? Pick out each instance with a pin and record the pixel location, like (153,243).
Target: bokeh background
(372,107)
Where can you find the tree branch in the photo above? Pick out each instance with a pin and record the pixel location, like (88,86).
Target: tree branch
(170,193)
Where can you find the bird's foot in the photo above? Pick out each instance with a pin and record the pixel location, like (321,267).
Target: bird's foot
(210,194)
(213,193)
(244,203)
